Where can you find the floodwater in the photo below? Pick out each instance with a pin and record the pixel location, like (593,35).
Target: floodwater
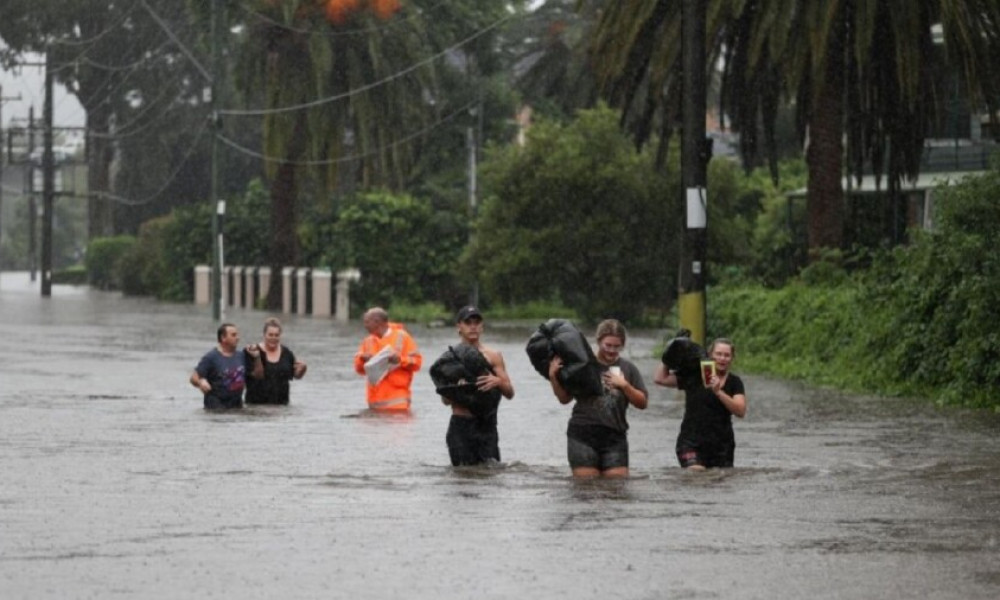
(114,483)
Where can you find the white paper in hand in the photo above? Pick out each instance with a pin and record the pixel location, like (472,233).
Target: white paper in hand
(378,366)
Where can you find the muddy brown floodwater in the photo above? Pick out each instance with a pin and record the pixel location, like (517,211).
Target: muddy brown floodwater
(114,483)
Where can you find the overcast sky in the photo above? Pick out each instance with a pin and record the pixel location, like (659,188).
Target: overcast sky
(29,84)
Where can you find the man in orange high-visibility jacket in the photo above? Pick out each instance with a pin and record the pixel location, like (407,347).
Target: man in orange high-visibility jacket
(388,358)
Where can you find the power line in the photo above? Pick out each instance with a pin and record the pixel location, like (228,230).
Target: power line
(342,159)
(365,88)
(96,37)
(150,55)
(180,45)
(130,202)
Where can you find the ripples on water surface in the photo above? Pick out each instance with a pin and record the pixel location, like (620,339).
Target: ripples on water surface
(116,484)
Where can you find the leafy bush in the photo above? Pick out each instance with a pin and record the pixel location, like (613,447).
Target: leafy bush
(924,320)
(75,275)
(406,252)
(145,271)
(104,257)
(184,239)
(579,216)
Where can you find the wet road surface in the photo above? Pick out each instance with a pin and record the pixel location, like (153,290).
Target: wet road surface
(114,483)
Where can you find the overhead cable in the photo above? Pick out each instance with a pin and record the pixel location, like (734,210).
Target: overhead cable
(285,109)
(342,159)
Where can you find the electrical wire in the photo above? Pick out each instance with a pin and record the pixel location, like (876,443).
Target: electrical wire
(98,36)
(130,202)
(321,101)
(273,159)
(180,45)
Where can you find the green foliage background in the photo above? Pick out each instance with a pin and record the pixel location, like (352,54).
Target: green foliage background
(924,320)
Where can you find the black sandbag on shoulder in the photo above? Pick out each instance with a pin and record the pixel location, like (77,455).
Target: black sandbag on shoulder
(683,356)
(580,374)
(454,375)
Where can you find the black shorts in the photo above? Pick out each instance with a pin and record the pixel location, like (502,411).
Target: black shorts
(706,455)
(213,402)
(596,446)
(472,441)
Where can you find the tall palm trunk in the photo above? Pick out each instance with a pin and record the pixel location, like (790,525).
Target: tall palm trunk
(824,157)
(100,209)
(284,251)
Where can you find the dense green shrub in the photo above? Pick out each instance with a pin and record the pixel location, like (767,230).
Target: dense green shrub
(924,320)
(103,261)
(406,252)
(580,217)
(145,271)
(75,275)
(171,246)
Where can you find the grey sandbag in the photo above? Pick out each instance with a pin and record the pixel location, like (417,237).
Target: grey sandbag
(580,374)
(454,375)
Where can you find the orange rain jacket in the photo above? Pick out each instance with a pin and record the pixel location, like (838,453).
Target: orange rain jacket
(392,393)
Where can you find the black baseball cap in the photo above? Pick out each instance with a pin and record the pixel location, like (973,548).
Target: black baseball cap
(467,312)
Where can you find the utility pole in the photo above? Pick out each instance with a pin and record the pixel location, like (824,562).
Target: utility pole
(48,182)
(473,147)
(217,232)
(32,203)
(696,151)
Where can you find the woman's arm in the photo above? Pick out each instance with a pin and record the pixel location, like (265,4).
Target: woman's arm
(664,376)
(562,395)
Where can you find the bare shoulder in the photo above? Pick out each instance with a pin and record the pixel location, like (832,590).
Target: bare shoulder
(494,357)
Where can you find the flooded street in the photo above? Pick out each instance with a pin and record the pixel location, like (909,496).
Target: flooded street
(114,483)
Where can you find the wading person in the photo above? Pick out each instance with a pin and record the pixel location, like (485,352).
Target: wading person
(706,438)
(471,379)
(387,358)
(596,438)
(221,374)
(280,367)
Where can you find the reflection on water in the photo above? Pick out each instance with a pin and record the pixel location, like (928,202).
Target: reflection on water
(117,484)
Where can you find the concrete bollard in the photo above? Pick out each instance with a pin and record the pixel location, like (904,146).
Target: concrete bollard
(238,287)
(344,279)
(301,281)
(249,279)
(263,281)
(321,292)
(202,285)
(286,289)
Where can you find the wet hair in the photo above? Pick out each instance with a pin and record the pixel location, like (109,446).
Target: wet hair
(610,327)
(722,340)
(378,313)
(271,322)
(222,330)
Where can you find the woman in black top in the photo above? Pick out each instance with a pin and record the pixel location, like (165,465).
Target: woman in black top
(280,367)
(706,438)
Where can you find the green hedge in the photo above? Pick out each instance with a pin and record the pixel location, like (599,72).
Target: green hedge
(924,320)
(104,258)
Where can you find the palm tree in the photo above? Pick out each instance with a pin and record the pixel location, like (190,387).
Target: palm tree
(315,65)
(857,70)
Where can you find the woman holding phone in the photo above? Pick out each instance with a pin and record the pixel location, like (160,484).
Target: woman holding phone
(596,441)
(706,438)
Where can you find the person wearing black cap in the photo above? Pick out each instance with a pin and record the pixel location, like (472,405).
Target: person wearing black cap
(472,436)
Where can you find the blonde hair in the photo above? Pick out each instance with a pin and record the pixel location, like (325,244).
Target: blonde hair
(721,340)
(272,322)
(611,327)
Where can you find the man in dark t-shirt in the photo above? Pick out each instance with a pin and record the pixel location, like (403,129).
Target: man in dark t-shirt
(706,437)
(221,373)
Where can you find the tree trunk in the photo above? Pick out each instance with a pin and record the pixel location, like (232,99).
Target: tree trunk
(824,157)
(284,251)
(100,208)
